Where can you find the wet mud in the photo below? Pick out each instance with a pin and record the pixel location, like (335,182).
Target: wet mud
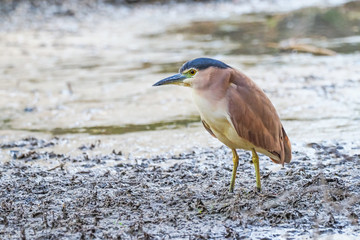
(183,196)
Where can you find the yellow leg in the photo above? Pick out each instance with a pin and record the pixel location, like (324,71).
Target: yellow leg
(255,159)
(236,163)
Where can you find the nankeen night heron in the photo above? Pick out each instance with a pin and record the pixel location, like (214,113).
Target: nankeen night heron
(234,110)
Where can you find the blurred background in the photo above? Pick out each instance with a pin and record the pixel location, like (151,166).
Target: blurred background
(83,70)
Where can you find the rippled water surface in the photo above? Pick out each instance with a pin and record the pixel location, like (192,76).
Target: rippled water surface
(94,76)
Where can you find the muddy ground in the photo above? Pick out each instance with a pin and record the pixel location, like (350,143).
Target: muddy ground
(185,196)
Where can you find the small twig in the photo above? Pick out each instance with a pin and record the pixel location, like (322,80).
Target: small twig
(59,166)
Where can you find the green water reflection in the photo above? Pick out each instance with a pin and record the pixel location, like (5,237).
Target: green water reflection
(127,128)
(254,32)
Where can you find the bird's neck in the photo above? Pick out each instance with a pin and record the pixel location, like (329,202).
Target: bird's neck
(207,102)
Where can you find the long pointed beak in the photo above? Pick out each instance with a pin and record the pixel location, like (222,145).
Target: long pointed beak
(176,79)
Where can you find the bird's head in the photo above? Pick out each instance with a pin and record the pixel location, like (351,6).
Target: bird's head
(194,71)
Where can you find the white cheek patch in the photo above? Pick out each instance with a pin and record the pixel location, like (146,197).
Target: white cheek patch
(188,82)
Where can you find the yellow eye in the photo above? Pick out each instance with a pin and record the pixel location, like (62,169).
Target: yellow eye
(192,72)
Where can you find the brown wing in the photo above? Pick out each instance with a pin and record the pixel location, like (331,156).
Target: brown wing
(206,126)
(255,118)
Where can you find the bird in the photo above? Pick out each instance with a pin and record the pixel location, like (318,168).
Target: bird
(235,110)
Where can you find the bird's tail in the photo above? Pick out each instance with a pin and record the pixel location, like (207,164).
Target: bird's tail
(287,147)
(285,155)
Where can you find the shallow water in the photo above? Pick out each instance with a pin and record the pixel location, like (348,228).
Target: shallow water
(94,76)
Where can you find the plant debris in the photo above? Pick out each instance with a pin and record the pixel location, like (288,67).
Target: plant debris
(178,197)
